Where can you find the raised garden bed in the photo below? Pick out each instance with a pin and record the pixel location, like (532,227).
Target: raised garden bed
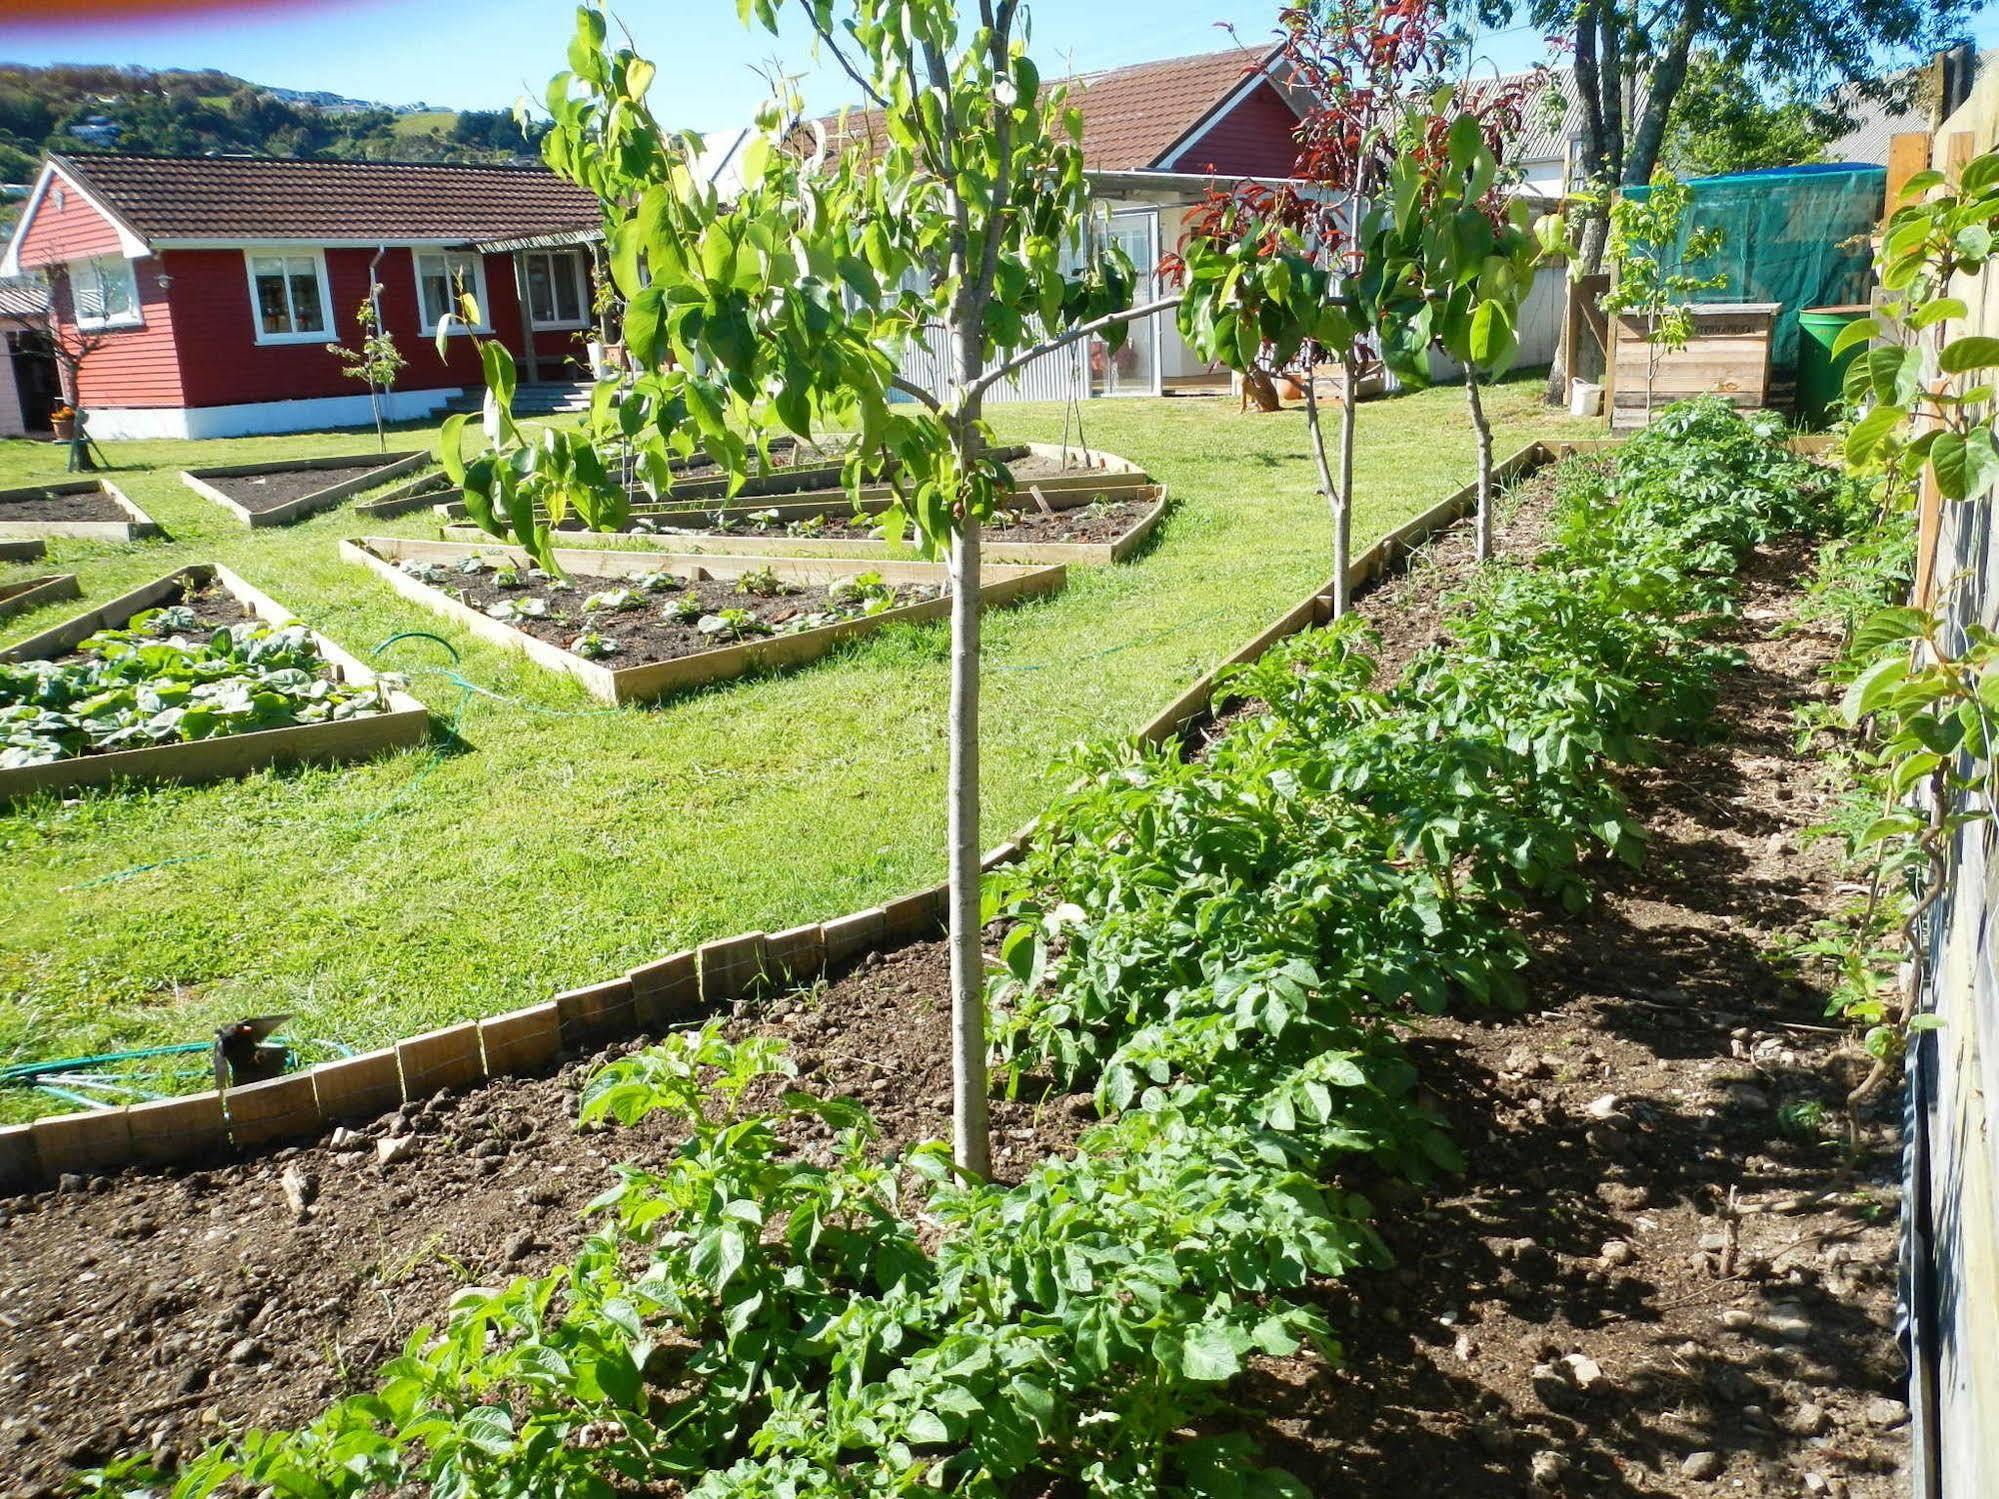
(808,605)
(211,597)
(1076,526)
(32,593)
(85,509)
(418,494)
(278,493)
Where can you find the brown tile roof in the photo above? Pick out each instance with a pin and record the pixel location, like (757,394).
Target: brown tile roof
(227,197)
(1131,116)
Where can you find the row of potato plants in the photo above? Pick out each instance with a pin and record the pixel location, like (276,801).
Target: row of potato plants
(1225,950)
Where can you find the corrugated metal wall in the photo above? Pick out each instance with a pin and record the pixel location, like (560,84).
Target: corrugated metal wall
(1059,376)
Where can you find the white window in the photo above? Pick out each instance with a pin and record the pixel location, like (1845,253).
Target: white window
(443,279)
(105,292)
(558,289)
(289,301)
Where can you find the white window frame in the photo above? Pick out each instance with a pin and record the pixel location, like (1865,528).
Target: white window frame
(575,258)
(425,324)
(136,318)
(325,335)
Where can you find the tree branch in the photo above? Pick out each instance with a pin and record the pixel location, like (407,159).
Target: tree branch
(999,372)
(912,389)
(846,66)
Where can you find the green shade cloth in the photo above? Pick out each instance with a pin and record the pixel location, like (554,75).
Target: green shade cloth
(1796,236)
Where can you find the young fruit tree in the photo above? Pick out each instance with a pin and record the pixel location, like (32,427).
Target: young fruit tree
(1450,254)
(375,360)
(1360,62)
(952,212)
(1652,280)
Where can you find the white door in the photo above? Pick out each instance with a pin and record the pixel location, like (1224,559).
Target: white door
(1134,369)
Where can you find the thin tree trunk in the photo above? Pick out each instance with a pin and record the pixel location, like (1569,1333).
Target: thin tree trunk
(971,1143)
(1589,85)
(1483,429)
(1661,89)
(1343,495)
(1335,502)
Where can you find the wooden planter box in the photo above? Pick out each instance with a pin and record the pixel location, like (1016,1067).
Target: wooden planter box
(370,469)
(32,593)
(406,724)
(993,547)
(31,549)
(136,524)
(418,494)
(631,684)
(1728,356)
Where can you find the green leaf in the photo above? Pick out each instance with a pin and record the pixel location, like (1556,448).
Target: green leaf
(451,447)
(1211,1354)
(1859,331)
(1873,687)
(1973,352)
(490,1428)
(1965,467)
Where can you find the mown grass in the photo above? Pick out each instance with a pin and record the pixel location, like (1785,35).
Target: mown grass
(543,841)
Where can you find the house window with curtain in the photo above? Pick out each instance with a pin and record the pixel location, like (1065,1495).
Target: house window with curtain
(288,297)
(442,278)
(105,293)
(558,289)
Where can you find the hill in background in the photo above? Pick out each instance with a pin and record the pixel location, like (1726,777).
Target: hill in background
(77,109)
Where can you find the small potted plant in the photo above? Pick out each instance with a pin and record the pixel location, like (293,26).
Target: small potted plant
(63,419)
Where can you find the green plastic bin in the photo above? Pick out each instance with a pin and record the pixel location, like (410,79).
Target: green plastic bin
(1820,376)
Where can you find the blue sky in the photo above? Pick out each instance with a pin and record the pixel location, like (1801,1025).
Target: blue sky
(482,54)
(471,54)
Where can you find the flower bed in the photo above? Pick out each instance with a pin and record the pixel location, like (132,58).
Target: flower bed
(195,676)
(635,625)
(85,509)
(34,593)
(278,493)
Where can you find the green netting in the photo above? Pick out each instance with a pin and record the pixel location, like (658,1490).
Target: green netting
(1796,236)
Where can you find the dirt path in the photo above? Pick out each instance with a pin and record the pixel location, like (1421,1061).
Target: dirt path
(159,1310)
(1575,1308)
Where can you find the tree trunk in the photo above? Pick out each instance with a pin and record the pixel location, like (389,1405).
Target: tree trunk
(1483,429)
(1661,89)
(971,1143)
(1589,86)
(1342,496)
(1315,432)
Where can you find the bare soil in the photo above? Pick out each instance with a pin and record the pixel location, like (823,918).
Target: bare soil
(261,492)
(647,633)
(214,608)
(92,504)
(1101,522)
(1580,1304)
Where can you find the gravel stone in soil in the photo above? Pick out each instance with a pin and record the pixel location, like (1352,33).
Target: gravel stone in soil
(93,504)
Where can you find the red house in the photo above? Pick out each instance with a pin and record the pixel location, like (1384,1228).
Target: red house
(213,285)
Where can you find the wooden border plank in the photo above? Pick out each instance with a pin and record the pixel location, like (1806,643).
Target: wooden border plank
(521,1041)
(23,549)
(284,1108)
(597,1010)
(358,1088)
(94,1140)
(169,1130)
(35,593)
(667,992)
(731,969)
(20,1160)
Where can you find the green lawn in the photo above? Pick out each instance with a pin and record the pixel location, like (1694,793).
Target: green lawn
(554,842)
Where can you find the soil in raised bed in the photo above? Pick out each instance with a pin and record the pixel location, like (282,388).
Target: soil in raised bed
(90,505)
(1099,523)
(214,608)
(647,633)
(161,1308)
(261,492)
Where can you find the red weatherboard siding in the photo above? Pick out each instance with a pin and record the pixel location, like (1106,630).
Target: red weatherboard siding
(1254,139)
(134,366)
(74,231)
(224,365)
